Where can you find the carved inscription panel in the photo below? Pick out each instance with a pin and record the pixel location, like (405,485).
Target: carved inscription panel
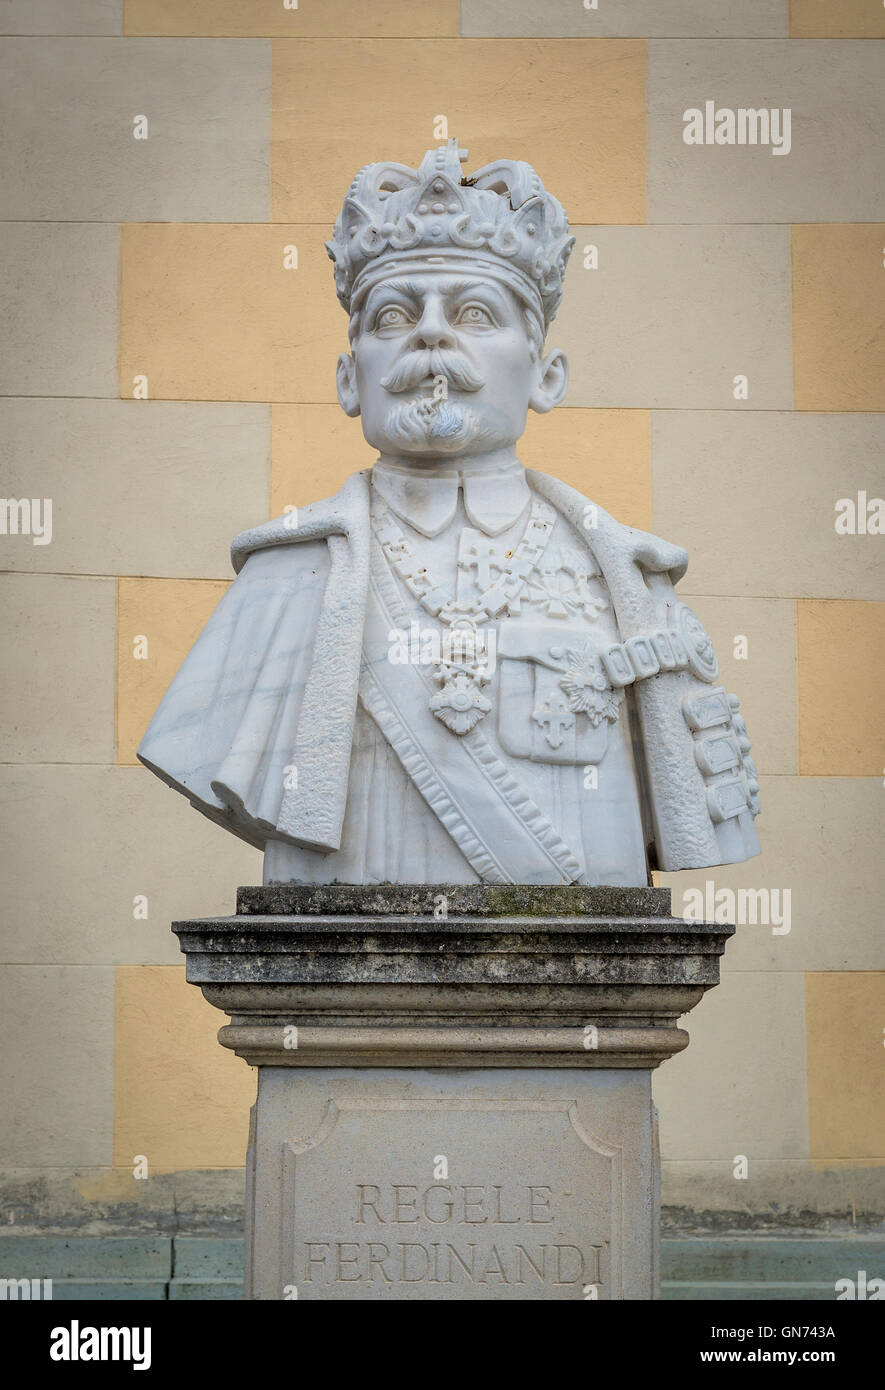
(429,1200)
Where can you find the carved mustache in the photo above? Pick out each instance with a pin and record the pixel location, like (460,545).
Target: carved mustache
(416,367)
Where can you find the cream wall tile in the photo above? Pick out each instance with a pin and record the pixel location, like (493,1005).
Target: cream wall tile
(739,1088)
(821,842)
(209,312)
(850,19)
(312,19)
(574,111)
(58,305)
(673,314)
(645,18)
(61,17)
(846,1066)
(68,106)
(180,1099)
(56,1091)
(170,614)
(841,661)
(838,310)
(137,487)
(58,688)
(87,842)
(764,680)
(833,169)
(752,496)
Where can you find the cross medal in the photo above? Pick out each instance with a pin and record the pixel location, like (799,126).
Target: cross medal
(462,669)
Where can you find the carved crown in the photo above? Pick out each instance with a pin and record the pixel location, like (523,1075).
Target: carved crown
(501,217)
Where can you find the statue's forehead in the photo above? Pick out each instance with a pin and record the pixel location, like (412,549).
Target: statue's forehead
(441,281)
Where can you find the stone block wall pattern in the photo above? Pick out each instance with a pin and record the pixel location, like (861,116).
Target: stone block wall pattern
(167,378)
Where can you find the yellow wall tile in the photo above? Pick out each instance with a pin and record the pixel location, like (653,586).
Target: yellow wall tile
(180,1098)
(838,310)
(576,111)
(844,1013)
(314,449)
(208,312)
(312,19)
(837,19)
(840,646)
(171,614)
(605,454)
(602,453)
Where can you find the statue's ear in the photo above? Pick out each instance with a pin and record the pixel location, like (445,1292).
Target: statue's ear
(552,382)
(348,395)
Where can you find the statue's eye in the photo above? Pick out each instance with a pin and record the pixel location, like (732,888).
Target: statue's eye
(392,317)
(475,316)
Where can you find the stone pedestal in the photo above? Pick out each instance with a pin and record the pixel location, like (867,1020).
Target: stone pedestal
(454,1096)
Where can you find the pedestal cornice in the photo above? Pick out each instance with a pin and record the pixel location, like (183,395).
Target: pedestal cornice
(343,975)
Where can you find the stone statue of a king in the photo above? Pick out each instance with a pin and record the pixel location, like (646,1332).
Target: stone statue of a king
(457,670)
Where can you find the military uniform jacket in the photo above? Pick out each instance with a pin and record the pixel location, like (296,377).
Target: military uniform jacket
(257,727)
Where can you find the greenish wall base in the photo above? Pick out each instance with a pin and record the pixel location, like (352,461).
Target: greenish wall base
(108,1268)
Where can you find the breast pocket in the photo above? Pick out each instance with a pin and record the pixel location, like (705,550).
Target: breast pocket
(556,703)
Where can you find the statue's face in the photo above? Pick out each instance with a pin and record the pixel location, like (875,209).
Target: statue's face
(444,364)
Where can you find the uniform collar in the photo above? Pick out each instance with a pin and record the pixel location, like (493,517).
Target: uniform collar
(494,497)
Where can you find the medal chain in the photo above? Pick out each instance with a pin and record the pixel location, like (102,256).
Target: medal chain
(435,598)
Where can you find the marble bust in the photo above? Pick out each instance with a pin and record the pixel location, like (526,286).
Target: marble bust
(457,670)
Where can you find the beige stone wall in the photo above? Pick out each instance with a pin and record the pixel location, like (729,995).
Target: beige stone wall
(156,266)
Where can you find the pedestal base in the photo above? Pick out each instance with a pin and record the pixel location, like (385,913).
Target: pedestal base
(473,1184)
(454,1096)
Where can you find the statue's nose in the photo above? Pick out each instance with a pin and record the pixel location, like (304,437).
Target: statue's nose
(433,330)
